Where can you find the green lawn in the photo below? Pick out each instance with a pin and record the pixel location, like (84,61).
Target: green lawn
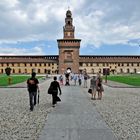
(15,79)
(133,79)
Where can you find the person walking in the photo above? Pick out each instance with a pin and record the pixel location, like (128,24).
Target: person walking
(93,87)
(61,79)
(67,79)
(99,86)
(85,80)
(55,87)
(33,87)
(80,79)
(75,78)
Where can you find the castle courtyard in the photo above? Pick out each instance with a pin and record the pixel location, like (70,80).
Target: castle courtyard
(76,117)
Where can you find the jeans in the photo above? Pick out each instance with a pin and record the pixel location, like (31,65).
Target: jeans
(32,99)
(85,83)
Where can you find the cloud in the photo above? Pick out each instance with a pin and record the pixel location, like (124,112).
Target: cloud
(96,22)
(21,51)
(30,21)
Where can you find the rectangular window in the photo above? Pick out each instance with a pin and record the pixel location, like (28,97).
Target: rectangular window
(80,64)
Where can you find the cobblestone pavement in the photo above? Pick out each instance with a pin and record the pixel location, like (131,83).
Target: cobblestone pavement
(16,120)
(75,118)
(119,108)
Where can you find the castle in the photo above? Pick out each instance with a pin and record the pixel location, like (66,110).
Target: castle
(69,58)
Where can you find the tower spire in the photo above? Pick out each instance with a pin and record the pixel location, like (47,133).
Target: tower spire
(68,29)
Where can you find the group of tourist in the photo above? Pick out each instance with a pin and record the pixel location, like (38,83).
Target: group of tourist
(95,82)
(96,86)
(75,78)
(33,88)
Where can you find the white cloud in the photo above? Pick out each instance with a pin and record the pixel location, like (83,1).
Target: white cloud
(97,22)
(21,51)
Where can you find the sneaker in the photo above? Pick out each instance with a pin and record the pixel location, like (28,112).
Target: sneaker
(31,109)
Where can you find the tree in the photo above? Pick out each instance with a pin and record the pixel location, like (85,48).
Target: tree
(8,71)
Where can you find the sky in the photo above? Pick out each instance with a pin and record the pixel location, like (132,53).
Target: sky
(105,27)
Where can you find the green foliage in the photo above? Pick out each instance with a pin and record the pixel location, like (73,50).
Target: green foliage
(133,79)
(8,71)
(15,79)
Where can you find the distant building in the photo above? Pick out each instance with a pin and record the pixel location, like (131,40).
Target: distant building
(69,58)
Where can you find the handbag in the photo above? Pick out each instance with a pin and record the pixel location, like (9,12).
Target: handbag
(50,90)
(90,90)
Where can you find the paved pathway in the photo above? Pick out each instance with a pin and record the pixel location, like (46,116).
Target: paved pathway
(75,118)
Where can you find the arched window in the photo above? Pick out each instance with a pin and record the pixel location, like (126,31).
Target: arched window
(13,70)
(38,70)
(68,22)
(135,70)
(33,70)
(19,71)
(25,70)
(92,71)
(128,71)
(99,70)
(49,71)
(121,70)
(45,70)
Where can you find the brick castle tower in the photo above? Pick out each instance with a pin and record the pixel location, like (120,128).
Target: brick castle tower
(68,47)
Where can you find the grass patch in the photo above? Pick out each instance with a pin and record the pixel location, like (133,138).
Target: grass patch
(133,79)
(15,79)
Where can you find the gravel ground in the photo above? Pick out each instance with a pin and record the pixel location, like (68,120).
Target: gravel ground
(17,122)
(120,108)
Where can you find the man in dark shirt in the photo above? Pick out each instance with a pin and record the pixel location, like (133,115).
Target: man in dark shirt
(32,85)
(55,86)
(67,79)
